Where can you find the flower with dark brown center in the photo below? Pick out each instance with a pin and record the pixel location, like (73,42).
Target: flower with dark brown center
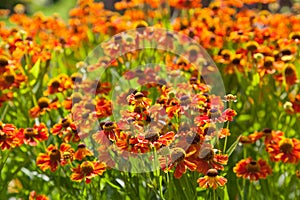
(55,155)
(89,105)
(3,62)
(192,138)
(43,102)
(86,167)
(81,146)
(236,61)
(76,97)
(212,173)
(138,95)
(55,84)
(109,126)
(152,136)
(286,145)
(65,122)
(76,77)
(30,132)
(253,167)
(289,71)
(214,113)
(185,100)
(252,46)
(267,131)
(9,78)
(206,154)
(177,155)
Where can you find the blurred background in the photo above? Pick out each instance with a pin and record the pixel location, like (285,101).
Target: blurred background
(63,6)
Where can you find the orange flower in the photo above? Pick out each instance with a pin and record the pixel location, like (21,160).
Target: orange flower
(248,168)
(8,136)
(34,196)
(212,180)
(82,152)
(59,84)
(54,156)
(286,149)
(87,170)
(32,135)
(180,159)
(44,105)
(66,129)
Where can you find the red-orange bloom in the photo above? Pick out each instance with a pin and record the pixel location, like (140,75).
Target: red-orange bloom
(66,129)
(44,104)
(87,170)
(212,180)
(54,156)
(8,136)
(254,170)
(34,196)
(32,135)
(287,150)
(82,152)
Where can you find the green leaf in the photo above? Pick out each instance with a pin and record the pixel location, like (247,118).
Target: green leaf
(231,149)
(35,68)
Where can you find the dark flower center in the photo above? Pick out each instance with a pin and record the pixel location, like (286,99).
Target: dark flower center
(152,136)
(193,138)
(253,167)
(9,78)
(177,155)
(43,103)
(55,84)
(214,113)
(207,154)
(138,95)
(3,62)
(30,132)
(236,61)
(55,155)
(65,122)
(81,146)
(286,146)
(87,167)
(212,173)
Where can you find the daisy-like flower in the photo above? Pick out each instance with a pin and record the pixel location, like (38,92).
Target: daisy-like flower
(8,136)
(180,159)
(66,129)
(286,149)
(58,84)
(54,156)
(108,132)
(207,158)
(254,170)
(32,135)
(82,152)
(212,180)
(44,105)
(87,170)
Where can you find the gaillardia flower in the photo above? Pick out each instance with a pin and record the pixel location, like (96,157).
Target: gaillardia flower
(254,170)
(87,170)
(212,180)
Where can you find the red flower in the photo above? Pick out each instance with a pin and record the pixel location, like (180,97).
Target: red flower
(32,135)
(44,105)
(9,137)
(212,180)
(66,129)
(248,168)
(54,157)
(82,152)
(286,149)
(87,170)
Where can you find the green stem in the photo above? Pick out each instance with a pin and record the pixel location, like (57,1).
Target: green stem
(4,112)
